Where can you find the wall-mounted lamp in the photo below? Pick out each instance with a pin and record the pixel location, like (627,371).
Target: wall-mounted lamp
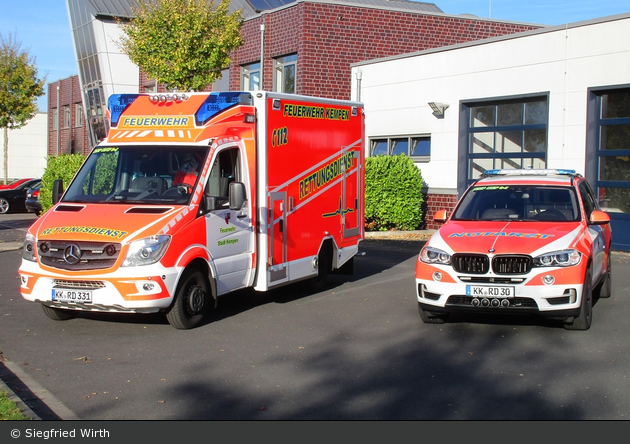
(438,108)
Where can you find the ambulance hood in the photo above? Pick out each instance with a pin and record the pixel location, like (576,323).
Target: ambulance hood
(503,237)
(106,223)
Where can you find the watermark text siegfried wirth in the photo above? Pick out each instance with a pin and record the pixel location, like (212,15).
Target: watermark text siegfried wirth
(58,433)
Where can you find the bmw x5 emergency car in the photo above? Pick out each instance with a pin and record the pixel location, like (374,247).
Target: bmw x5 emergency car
(518,241)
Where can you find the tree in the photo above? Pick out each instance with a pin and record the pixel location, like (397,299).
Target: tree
(19,89)
(182,43)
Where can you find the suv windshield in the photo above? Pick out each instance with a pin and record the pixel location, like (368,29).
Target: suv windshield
(518,202)
(139,174)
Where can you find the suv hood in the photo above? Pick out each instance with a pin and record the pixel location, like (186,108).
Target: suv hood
(504,237)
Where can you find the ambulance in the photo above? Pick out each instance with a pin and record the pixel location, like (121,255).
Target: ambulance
(194,196)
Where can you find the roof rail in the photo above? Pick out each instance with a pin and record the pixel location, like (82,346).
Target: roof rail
(530,172)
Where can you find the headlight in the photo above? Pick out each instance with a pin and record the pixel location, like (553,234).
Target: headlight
(432,255)
(146,251)
(565,258)
(28,251)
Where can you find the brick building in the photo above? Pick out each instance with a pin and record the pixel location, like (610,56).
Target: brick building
(67,128)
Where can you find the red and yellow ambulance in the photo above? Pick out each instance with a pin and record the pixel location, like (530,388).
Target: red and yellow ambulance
(193,196)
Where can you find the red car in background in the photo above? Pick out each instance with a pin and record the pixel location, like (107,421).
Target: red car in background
(15,184)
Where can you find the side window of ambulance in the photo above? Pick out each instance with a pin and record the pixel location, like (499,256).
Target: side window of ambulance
(226,169)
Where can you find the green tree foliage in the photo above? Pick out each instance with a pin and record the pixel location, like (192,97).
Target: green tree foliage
(393,194)
(182,43)
(63,167)
(19,89)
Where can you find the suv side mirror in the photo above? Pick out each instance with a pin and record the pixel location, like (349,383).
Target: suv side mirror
(440,216)
(57,190)
(599,218)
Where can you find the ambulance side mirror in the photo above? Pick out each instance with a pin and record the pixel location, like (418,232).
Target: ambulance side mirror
(57,190)
(440,216)
(237,195)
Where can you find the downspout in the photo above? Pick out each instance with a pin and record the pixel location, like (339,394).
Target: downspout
(359,77)
(262,54)
(58,120)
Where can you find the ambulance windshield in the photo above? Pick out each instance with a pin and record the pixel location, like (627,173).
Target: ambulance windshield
(138,174)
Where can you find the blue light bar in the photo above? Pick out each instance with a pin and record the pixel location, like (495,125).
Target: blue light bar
(529,172)
(117,103)
(219,101)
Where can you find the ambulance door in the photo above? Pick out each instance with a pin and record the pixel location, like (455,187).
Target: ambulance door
(229,231)
(351,187)
(278,237)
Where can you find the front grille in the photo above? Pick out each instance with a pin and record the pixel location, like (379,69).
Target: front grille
(467,301)
(511,264)
(470,263)
(91,255)
(80,285)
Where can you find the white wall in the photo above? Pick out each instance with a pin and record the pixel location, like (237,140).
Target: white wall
(564,61)
(27,149)
(119,74)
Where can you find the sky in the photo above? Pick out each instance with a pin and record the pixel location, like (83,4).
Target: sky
(43,29)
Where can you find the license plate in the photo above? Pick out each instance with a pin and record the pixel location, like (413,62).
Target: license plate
(80,296)
(483,291)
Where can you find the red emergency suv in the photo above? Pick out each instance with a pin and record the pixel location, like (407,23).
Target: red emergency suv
(519,241)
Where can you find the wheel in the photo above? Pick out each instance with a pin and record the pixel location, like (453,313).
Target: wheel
(584,319)
(58,314)
(429,318)
(605,288)
(192,300)
(323,269)
(4,205)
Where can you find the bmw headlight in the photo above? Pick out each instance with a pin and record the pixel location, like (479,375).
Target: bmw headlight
(564,258)
(28,250)
(432,255)
(146,251)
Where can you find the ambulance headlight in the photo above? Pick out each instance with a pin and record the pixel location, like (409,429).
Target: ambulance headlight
(28,251)
(432,255)
(146,251)
(564,258)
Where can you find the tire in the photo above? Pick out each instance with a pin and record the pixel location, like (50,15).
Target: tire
(58,314)
(4,205)
(323,269)
(585,318)
(192,301)
(429,318)
(605,288)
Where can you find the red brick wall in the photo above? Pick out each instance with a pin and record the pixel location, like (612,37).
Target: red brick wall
(437,202)
(328,38)
(74,138)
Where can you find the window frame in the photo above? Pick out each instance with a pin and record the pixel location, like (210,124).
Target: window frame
(246,76)
(391,142)
(280,64)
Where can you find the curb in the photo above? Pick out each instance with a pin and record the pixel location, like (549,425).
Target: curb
(43,400)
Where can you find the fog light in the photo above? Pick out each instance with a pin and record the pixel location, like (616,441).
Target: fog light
(148,287)
(548,279)
(437,276)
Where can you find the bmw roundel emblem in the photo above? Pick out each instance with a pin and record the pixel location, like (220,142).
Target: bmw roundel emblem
(491,250)
(72,254)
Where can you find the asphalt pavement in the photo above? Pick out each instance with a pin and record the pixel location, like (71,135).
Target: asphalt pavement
(33,400)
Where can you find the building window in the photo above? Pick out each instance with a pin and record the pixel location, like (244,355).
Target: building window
(613,150)
(284,74)
(66,117)
(55,116)
(250,77)
(78,116)
(417,147)
(508,134)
